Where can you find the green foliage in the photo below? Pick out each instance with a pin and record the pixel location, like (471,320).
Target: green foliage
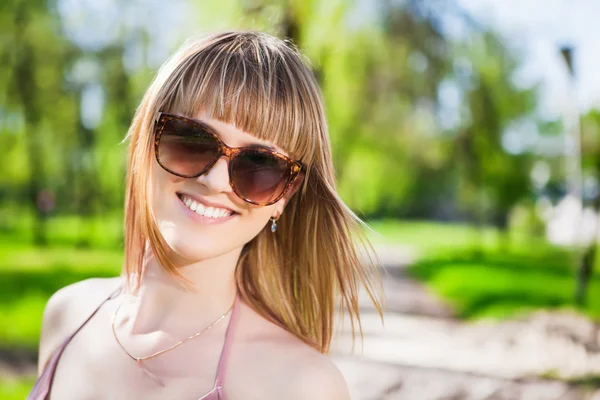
(494,180)
(524,218)
(502,285)
(590,143)
(380,82)
(15,389)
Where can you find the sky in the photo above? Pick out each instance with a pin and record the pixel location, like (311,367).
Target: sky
(538,28)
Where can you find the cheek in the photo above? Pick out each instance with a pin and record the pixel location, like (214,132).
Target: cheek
(165,205)
(254,220)
(162,192)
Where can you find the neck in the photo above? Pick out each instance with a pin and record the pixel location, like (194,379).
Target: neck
(164,303)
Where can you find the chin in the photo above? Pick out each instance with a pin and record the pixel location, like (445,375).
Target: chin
(195,252)
(196,247)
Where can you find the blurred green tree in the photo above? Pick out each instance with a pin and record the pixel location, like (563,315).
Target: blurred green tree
(381,78)
(34,57)
(495,177)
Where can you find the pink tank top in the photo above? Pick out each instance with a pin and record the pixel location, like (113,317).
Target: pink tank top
(41,389)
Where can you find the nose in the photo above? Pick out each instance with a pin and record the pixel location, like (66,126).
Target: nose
(216,179)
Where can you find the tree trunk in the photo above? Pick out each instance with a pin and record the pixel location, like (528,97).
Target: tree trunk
(28,97)
(87,196)
(587,261)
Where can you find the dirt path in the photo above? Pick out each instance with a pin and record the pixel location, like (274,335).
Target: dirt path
(404,295)
(16,363)
(369,380)
(424,353)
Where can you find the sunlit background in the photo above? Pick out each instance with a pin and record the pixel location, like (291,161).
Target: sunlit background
(465,132)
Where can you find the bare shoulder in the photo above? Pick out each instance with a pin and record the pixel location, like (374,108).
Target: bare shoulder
(289,368)
(67,309)
(317,377)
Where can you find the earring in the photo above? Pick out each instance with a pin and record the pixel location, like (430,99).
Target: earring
(274,224)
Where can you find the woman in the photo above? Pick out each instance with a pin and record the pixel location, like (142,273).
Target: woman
(236,248)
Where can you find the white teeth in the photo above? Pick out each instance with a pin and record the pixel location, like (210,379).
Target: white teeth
(201,209)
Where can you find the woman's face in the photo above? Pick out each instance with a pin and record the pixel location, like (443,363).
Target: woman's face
(196,237)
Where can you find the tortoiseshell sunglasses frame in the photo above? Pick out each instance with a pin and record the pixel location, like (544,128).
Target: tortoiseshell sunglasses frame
(295,168)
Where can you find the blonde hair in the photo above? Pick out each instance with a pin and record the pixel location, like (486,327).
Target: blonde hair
(263,86)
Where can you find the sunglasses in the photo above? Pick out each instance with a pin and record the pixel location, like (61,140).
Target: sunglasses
(188,148)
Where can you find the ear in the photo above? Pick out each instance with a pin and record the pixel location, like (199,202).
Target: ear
(280,205)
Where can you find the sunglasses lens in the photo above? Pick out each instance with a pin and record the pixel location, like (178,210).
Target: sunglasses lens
(185,149)
(259,176)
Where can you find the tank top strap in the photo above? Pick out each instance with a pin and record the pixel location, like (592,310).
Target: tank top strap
(42,386)
(114,294)
(58,352)
(220,379)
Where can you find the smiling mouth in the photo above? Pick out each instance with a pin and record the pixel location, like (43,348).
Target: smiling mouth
(205,211)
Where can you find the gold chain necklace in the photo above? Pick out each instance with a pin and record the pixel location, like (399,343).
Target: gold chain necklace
(139,360)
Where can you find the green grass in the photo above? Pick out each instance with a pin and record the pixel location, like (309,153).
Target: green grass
(588,383)
(30,275)
(23,295)
(480,277)
(429,238)
(426,236)
(102,232)
(15,389)
(500,285)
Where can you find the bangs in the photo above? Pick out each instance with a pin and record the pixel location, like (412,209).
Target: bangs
(256,83)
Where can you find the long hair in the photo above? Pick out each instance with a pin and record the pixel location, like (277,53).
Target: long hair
(320,254)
